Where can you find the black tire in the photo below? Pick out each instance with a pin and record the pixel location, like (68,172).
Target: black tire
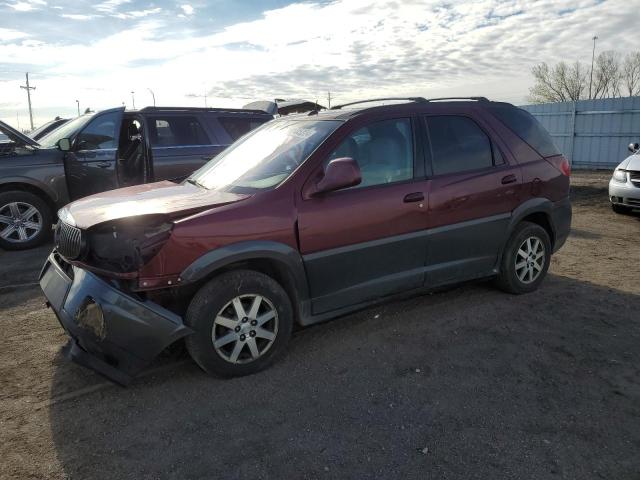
(508,278)
(216,295)
(621,209)
(44,214)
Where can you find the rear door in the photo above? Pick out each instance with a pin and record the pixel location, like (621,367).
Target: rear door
(369,240)
(91,163)
(179,144)
(473,191)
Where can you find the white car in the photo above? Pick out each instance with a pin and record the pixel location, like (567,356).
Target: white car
(624,186)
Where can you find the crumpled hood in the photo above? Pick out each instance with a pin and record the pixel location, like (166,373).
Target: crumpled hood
(632,162)
(161,198)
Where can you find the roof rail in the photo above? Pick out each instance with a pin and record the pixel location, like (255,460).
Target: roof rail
(411,99)
(477,99)
(200,109)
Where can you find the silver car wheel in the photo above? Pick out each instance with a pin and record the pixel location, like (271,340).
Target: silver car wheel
(530,260)
(245,328)
(19,222)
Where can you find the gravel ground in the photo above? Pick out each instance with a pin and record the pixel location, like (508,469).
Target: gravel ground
(468,383)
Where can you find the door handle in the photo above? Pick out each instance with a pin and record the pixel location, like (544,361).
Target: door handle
(413,197)
(509,179)
(103,164)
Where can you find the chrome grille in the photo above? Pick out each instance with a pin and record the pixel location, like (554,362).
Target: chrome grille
(68,240)
(635,178)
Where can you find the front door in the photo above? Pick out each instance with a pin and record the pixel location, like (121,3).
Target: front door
(91,163)
(179,145)
(367,241)
(473,191)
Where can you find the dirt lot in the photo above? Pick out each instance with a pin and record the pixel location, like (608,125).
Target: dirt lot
(468,383)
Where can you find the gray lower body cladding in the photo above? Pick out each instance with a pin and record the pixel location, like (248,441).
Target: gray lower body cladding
(561,222)
(111,332)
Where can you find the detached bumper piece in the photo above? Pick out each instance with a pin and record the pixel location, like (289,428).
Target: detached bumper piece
(113,333)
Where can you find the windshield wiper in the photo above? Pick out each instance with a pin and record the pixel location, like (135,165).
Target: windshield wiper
(196,183)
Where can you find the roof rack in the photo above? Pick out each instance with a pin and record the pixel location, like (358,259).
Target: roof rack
(200,109)
(477,99)
(411,99)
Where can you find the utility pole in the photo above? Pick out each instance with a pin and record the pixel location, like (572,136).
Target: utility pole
(153,95)
(78,105)
(593,56)
(133,99)
(328,99)
(28,88)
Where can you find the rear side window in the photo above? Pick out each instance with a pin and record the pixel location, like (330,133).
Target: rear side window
(174,131)
(458,145)
(523,124)
(236,127)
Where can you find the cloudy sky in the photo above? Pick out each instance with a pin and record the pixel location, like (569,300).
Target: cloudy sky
(242,50)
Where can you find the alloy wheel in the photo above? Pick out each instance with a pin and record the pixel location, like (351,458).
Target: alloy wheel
(530,259)
(19,222)
(245,328)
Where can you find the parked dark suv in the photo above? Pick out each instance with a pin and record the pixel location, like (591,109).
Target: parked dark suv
(102,151)
(305,219)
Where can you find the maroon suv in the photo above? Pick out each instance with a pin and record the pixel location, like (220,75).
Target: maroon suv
(305,219)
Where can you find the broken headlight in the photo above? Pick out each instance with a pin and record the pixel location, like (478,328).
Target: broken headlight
(126,245)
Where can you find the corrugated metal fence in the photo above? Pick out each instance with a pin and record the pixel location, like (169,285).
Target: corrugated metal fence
(592,133)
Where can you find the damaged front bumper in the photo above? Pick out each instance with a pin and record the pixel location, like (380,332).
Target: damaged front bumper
(111,332)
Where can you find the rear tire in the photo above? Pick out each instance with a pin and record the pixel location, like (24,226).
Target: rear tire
(242,322)
(25,220)
(622,209)
(525,259)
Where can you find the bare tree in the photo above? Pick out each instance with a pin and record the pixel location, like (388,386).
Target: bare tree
(560,83)
(631,74)
(607,75)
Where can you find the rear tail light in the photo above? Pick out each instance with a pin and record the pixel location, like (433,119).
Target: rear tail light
(561,163)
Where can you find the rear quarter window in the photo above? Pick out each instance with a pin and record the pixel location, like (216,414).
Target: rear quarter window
(525,126)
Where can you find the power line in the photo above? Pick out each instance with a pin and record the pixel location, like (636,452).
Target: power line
(28,89)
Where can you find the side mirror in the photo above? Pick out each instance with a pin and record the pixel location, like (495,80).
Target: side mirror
(339,173)
(634,147)
(64,144)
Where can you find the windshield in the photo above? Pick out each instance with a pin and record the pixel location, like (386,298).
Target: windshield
(265,157)
(65,131)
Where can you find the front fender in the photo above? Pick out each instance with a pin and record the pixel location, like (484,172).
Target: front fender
(281,254)
(53,186)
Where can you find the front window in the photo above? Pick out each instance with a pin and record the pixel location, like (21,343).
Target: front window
(265,157)
(383,151)
(67,130)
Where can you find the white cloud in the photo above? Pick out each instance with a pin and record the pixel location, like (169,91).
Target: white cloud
(78,16)
(355,48)
(187,9)
(137,13)
(110,6)
(26,6)
(8,34)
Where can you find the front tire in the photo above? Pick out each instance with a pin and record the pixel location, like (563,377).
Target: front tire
(525,260)
(242,322)
(25,220)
